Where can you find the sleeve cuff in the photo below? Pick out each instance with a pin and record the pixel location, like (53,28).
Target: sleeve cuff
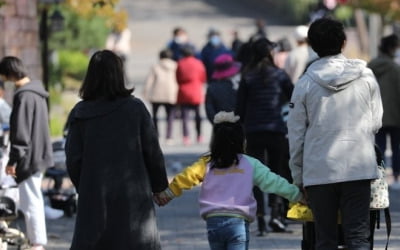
(169,193)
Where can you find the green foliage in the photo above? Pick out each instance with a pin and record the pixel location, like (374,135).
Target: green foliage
(299,10)
(57,122)
(80,33)
(287,11)
(344,13)
(72,63)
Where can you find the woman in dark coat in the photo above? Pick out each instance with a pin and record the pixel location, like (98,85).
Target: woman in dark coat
(263,91)
(114,161)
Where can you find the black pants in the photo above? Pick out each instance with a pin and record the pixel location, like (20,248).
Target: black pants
(352,200)
(170,119)
(394,134)
(186,109)
(270,148)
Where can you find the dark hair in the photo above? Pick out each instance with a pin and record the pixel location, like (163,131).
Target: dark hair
(12,67)
(104,77)
(176,30)
(187,50)
(284,45)
(166,53)
(227,141)
(260,55)
(389,44)
(326,37)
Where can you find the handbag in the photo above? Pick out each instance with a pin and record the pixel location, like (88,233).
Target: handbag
(379,200)
(379,190)
(299,212)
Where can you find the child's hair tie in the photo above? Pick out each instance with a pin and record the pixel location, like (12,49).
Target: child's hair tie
(224,116)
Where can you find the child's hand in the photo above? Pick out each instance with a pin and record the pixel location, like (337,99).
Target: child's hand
(161,199)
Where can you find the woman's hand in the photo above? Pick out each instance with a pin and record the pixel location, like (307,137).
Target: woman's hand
(161,199)
(10,170)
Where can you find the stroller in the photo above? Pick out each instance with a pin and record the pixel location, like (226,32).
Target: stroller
(59,198)
(9,213)
(9,197)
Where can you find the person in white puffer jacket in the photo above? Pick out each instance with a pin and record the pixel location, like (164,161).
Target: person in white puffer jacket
(335,111)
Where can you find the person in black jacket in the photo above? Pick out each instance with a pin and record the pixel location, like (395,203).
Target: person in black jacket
(115,162)
(222,89)
(263,91)
(31,148)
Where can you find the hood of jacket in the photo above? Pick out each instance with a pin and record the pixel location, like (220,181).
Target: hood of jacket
(167,64)
(35,86)
(335,72)
(95,108)
(381,65)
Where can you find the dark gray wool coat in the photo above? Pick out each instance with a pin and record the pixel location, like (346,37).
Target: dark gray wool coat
(115,162)
(31,150)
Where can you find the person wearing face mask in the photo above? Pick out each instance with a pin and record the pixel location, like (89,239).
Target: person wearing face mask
(387,73)
(179,40)
(213,48)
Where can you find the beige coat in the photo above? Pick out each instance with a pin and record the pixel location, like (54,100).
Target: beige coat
(161,85)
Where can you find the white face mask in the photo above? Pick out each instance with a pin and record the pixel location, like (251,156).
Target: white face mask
(181,39)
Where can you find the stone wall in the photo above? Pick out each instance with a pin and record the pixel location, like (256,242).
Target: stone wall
(20,33)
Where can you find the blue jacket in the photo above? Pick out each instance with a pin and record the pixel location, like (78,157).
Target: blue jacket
(261,96)
(208,55)
(220,96)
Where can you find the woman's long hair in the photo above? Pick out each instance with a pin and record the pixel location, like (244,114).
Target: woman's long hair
(104,78)
(261,55)
(226,143)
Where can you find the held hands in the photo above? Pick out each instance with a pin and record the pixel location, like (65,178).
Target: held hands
(10,170)
(304,196)
(161,199)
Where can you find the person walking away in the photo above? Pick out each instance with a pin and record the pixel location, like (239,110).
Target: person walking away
(336,109)
(119,41)
(236,43)
(211,50)
(261,29)
(222,90)
(179,40)
(263,91)
(191,77)
(300,56)
(387,73)
(281,52)
(30,146)
(5,113)
(228,175)
(5,109)
(161,89)
(115,162)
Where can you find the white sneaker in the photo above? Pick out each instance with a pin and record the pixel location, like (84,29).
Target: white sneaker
(395,185)
(52,213)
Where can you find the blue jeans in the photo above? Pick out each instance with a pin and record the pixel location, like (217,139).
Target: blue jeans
(228,233)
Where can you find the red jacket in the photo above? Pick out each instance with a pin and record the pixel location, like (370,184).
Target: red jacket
(191,76)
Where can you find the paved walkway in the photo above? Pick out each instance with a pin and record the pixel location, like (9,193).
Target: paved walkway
(179,222)
(181,227)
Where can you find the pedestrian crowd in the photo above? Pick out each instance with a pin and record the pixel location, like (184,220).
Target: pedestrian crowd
(298,122)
